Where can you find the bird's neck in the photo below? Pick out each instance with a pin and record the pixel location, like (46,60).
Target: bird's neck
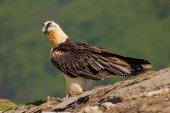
(56,37)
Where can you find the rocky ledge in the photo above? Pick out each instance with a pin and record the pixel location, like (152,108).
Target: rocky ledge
(146,93)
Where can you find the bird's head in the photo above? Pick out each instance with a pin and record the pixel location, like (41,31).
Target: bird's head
(55,34)
(49,26)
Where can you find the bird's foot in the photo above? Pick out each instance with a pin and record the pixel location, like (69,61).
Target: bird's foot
(65,98)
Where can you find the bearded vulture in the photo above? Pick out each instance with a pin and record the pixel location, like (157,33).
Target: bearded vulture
(81,63)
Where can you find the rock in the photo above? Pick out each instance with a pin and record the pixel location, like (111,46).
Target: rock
(147,93)
(108,105)
(90,109)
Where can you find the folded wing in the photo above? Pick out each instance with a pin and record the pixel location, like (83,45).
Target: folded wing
(95,63)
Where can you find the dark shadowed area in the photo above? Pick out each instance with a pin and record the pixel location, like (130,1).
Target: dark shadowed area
(132,28)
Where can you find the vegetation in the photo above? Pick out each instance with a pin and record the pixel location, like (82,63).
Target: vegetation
(6,104)
(131,28)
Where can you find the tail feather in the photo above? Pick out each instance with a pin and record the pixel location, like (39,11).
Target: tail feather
(147,66)
(138,65)
(119,65)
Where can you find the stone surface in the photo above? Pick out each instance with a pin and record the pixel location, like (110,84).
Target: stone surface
(146,93)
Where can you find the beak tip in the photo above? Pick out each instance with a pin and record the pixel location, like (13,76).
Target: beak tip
(45,32)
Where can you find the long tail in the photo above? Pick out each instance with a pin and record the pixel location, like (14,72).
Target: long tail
(138,65)
(120,65)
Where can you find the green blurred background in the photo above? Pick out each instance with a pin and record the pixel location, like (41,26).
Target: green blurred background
(135,28)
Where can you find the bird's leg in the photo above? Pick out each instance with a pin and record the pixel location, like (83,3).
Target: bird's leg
(67,94)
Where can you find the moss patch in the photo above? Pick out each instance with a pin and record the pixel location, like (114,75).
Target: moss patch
(6,104)
(40,101)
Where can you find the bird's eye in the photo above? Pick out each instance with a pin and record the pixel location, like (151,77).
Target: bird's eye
(49,24)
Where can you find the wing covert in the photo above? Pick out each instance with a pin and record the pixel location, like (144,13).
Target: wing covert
(84,63)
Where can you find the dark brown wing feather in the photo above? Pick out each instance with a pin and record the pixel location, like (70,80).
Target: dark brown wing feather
(78,59)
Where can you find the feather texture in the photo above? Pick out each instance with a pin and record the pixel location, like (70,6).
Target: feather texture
(78,59)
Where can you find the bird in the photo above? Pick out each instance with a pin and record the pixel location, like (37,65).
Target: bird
(81,63)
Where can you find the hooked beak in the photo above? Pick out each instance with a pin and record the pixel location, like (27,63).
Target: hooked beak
(44,30)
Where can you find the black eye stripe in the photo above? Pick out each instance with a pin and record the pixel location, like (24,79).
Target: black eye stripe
(49,24)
